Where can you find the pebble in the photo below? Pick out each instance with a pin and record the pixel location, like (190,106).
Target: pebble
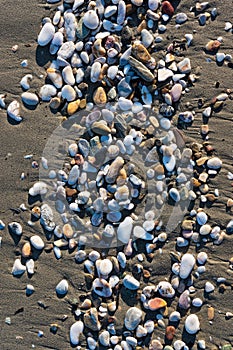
(147,38)
(192,324)
(15,228)
(104,338)
(181,18)
(76,330)
(132,318)
(130,282)
(184,66)
(156,304)
(13,111)
(37,242)
(18,268)
(209,287)
(214,163)
(46,34)
(30,98)
(91,20)
(186,265)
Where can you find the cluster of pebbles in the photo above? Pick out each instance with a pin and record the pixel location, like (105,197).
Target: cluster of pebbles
(126,163)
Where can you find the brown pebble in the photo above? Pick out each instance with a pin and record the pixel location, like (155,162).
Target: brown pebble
(100,97)
(156,304)
(79,159)
(201,161)
(170,332)
(142,25)
(146,274)
(73,107)
(68,231)
(213,45)
(70,192)
(26,250)
(195,182)
(210,313)
(140,52)
(167,8)
(36,212)
(211,197)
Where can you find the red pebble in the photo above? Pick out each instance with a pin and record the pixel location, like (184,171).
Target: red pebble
(167,8)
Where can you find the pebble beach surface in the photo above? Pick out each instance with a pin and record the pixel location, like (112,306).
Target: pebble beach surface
(158,286)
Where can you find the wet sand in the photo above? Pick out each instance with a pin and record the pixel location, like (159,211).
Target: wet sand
(19,24)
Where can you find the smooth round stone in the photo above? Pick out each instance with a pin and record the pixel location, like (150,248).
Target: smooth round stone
(125,104)
(176,92)
(104,267)
(68,93)
(37,242)
(124,230)
(209,287)
(132,318)
(202,218)
(46,34)
(146,37)
(132,341)
(197,302)
(165,123)
(114,216)
(174,194)
(205,230)
(214,163)
(192,324)
(202,258)
(73,149)
(175,316)
(75,331)
(181,18)
(186,265)
(73,175)
(92,343)
(104,338)
(15,228)
(91,19)
(112,72)
(66,50)
(30,98)
(109,11)
(220,57)
(62,288)
(149,326)
(153,4)
(131,283)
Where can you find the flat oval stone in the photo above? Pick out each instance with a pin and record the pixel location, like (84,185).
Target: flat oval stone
(176,92)
(181,18)
(186,265)
(214,163)
(147,38)
(46,34)
(132,318)
(30,98)
(75,331)
(37,242)
(192,324)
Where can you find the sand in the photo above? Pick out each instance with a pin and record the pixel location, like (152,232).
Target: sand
(19,24)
